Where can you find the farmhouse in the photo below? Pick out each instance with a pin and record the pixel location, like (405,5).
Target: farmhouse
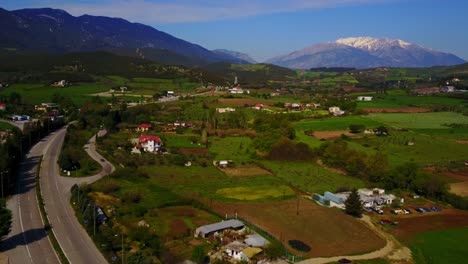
(3,107)
(46,107)
(144,128)
(234,249)
(207,230)
(258,106)
(336,111)
(237,90)
(223,163)
(225,110)
(364,98)
(292,106)
(368,197)
(61,83)
(150,143)
(169,93)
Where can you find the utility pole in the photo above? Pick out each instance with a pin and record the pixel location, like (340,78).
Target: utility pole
(94,220)
(1,173)
(123,259)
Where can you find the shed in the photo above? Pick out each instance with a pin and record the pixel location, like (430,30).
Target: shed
(207,230)
(332,197)
(256,240)
(250,252)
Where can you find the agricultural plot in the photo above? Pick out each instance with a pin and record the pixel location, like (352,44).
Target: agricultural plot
(420,120)
(237,149)
(40,93)
(256,193)
(151,86)
(329,232)
(336,123)
(404,101)
(311,177)
(444,246)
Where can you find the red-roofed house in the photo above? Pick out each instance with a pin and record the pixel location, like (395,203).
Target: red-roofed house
(144,127)
(2,107)
(150,143)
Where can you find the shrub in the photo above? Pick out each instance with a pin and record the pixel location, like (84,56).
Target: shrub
(299,245)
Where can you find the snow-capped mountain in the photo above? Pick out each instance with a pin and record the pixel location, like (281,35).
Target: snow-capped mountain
(366,52)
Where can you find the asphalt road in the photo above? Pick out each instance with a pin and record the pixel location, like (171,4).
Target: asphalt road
(75,242)
(28,242)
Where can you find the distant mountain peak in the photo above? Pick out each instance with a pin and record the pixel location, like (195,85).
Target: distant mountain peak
(366,52)
(370,43)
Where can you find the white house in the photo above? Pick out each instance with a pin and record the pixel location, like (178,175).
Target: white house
(150,143)
(336,111)
(365,98)
(225,110)
(234,249)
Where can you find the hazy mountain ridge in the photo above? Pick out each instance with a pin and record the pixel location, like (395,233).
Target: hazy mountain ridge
(366,52)
(243,57)
(56,31)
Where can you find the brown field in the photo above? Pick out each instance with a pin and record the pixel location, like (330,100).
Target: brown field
(242,101)
(333,134)
(417,223)
(460,187)
(329,232)
(245,171)
(464,142)
(397,110)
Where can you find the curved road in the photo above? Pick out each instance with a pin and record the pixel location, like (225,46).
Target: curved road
(28,242)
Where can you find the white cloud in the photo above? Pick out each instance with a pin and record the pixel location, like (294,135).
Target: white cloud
(180,11)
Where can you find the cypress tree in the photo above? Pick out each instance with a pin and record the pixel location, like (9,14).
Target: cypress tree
(353,204)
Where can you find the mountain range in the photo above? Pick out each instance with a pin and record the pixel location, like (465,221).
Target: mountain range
(365,52)
(55,31)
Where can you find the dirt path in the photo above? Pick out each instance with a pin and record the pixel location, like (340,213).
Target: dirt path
(391,244)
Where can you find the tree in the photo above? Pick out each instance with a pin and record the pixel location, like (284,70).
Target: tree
(353,204)
(275,250)
(5,219)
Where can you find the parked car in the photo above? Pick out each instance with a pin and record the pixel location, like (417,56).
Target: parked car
(435,209)
(407,211)
(344,260)
(388,222)
(378,210)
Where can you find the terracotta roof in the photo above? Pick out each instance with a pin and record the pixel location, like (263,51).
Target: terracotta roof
(144,139)
(145,126)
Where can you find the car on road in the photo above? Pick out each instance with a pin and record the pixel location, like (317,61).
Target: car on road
(102,160)
(435,209)
(344,260)
(407,211)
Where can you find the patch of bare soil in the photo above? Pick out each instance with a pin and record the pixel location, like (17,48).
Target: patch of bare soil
(418,223)
(334,134)
(329,232)
(397,110)
(245,171)
(242,101)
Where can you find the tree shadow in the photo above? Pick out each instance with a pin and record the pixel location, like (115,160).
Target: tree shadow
(25,238)
(27,175)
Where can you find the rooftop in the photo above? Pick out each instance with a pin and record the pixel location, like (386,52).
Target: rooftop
(233,223)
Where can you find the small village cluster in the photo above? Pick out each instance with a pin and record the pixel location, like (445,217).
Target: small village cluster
(237,242)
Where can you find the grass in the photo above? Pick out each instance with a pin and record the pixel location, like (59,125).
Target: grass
(40,93)
(249,193)
(420,120)
(150,86)
(5,126)
(237,149)
(445,246)
(336,123)
(397,100)
(310,177)
(179,141)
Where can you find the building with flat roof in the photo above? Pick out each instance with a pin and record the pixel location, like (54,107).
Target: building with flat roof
(207,230)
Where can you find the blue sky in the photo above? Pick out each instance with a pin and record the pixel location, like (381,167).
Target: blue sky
(267,28)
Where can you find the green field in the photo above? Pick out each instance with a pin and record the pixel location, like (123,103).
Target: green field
(256,193)
(419,120)
(237,149)
(40,93)
(399,100)
(5,125)
(151,86)
(336,123)
(445,246)
(310,177)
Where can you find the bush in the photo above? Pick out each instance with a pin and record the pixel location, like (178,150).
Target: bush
(356,128)
(132,196)
(299,245)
